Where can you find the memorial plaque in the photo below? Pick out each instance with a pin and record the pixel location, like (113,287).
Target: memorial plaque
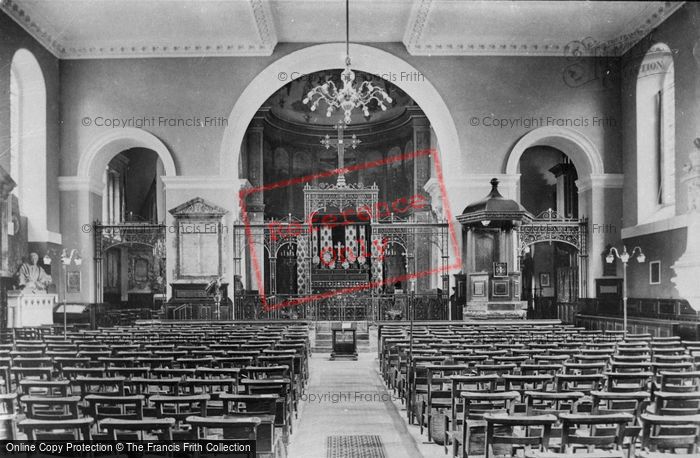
(199,239)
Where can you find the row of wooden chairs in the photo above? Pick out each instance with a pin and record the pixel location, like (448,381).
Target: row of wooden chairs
(468,376)
(160,381)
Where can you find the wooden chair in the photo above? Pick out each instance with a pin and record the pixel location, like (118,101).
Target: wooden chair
(679,381)
(36,373)
(600,433)
(127,372)
(50,408)
(677,403)
(8,416)
(149,386)
(115,407)
(439,395)
(628,381)
(45,388)
(100,385)
(475,406)
(146,429)
(280,387)
(212,387)
(179,408)
(453,418)
(523,383)
(233,428)
(262,406)
(633,403)
(670,433)
(554,403)
(517,432)
(73,429)
(584,383)
(73,372)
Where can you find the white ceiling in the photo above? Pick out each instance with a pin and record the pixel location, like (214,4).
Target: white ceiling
(75,29)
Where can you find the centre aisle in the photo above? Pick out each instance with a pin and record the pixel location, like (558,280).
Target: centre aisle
(347,411)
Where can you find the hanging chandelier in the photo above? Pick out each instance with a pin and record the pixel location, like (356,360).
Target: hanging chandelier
(348,97)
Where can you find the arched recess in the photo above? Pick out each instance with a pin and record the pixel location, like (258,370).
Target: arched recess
(81,203)
(103,148)
(330,56)
(582,152)
(28,138)
(591,183)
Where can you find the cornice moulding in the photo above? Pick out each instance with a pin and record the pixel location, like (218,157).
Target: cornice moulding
(44,34)
(415,39)
(418,45)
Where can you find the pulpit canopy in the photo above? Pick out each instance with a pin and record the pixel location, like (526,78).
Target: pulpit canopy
(494,211)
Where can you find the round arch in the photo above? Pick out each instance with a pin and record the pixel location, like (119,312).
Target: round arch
(281,245)
(575,145)
(103,148)
(564,242)
(28,151)
(330,56)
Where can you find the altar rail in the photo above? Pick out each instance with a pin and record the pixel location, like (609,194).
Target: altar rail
(426,307)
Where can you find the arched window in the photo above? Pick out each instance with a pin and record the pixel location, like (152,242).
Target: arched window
(656,186)
(28,141)
(14,129)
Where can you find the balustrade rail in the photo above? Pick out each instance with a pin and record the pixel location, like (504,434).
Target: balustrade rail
(423,307)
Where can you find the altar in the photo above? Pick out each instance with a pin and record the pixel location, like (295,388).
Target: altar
(350,252)
(26,310)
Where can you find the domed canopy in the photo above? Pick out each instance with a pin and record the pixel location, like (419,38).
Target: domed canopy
(494,207)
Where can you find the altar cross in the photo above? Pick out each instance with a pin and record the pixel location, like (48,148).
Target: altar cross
(340,143)
(339,247)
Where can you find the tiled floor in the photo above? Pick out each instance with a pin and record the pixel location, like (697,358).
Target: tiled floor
(349,398)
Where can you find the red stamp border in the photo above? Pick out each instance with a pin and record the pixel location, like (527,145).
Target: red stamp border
(447,212)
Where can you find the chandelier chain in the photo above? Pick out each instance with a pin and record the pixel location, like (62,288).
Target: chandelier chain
(348,97)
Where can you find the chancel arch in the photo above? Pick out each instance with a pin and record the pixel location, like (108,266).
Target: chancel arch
(318,168)
(329,56)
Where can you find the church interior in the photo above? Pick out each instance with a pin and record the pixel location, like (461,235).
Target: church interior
(325,228)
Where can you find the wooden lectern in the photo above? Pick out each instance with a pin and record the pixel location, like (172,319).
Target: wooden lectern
(344,340)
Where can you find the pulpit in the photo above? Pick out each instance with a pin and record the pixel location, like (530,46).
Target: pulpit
(491,257)
(344,340)
(26,310)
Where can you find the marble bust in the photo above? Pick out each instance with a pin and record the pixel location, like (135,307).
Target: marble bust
(32,277)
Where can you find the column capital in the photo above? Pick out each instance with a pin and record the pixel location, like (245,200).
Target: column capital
(418,118)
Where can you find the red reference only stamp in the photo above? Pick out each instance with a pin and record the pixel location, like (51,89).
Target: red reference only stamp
(347,229)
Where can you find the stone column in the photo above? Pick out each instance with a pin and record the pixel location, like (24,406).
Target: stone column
(255,203)
(421,175)
(599,198)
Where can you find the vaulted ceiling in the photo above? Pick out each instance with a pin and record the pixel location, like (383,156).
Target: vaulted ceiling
(77,29)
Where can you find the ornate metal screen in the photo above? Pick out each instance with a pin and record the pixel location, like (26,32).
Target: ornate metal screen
(549,226)
(151,236)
